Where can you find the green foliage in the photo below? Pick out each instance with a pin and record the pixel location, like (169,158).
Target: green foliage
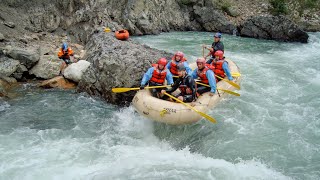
(279,7)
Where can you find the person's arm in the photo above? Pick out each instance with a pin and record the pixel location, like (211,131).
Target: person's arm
(194,74)
(212,80)
(192,86)
(226,69)
(169,77)
(175,86)
(168,66)
(188,69)
(147,76)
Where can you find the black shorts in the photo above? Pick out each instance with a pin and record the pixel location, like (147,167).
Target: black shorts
(67,61)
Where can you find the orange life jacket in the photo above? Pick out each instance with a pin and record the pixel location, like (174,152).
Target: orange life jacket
(202,75)
(63,55)
(158,76)
(174,66)
(218,70)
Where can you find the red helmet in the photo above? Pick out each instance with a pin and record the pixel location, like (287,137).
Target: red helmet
(201,60)
(179,53)
(219,53)
(162,61)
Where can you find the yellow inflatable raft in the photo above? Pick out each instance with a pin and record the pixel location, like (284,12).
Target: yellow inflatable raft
(176,113)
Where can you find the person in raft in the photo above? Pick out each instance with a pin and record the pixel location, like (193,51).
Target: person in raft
(177,60)
(156,76)
(216,45)
(206,76)
(186,85)
(66,55)
(220,66)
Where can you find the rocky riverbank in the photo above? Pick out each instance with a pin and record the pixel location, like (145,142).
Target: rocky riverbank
(31,33)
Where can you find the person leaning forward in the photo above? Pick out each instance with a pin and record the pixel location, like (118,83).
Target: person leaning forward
(220,66)
(216,45)
(156,76)
(186,85)
(206,76)
(66,54)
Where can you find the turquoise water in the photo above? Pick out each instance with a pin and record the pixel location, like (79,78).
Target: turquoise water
(270,132)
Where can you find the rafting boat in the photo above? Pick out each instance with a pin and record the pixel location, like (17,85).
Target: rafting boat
(122,34)
(177,113)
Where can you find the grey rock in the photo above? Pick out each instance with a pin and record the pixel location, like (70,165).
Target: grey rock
(75,71)
(2,37)
(47,67)
(27,57)
(18,74)
(8,66)
(9,24)
(233,11)
(116,63)
(273,27)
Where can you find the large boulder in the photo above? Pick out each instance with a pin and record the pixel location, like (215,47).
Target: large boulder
(27,57)
(116,63)
(75,71)
(47,67)
(213,20)
(273,27)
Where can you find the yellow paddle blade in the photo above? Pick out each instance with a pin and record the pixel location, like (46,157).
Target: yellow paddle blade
(236,74)
(227,91)
(107,29)
(230,92)
(230,82)
(121,90)
(199,112)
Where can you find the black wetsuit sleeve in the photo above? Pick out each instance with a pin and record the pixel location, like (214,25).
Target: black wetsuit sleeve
(175,86)
(192,85)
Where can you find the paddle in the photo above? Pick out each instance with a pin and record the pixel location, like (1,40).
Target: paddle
(120,90)
(227,91)
(199,112)
(230,82)
(236,74)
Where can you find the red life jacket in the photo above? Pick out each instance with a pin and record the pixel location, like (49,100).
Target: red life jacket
(158,76)
(174,67)
(202,75)
(218,67)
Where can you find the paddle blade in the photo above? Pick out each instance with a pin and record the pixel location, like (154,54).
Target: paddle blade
(235,74)
(230,92)
(121,90)
(207,117)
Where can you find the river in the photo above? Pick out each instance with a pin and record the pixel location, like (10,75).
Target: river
(272,131)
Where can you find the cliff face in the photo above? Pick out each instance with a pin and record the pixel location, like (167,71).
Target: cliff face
(80,18)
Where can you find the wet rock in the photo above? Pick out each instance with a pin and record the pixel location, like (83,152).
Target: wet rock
(27,57)
(58,82)
(116,63)
(47,67)
(8,66)
(273,27)
(75,71)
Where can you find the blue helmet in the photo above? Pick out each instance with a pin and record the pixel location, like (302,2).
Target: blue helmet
(218,35)
(64,46)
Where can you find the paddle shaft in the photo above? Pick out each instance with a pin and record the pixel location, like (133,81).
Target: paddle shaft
(187,105)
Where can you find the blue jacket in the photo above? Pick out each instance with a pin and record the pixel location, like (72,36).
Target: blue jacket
(188,69)
(210,76)
(147,76)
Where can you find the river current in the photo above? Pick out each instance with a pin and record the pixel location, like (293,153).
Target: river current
(272,131)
